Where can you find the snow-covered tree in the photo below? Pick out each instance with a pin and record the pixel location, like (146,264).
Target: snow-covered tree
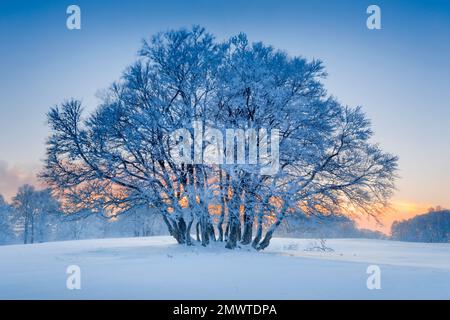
(37,213)
(139,222)
(6,225)
(124,155)
(83,224)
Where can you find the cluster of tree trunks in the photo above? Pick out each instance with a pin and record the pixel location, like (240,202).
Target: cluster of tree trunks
(234,224)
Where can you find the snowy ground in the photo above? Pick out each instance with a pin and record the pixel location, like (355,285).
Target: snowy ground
(157,268)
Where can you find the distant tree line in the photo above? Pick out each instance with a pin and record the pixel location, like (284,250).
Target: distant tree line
(321,226)
(35,216)
(433,226)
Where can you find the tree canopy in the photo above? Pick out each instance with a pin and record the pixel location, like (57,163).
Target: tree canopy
(124,154)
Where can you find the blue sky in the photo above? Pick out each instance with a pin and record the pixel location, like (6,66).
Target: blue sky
(399,74)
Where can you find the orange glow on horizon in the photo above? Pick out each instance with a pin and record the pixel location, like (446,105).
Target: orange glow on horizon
(399,210)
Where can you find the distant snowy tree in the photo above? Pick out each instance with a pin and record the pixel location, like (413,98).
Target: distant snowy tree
(121,156)
(83,224)
(88,224)
(37,213)
(6,222)
(140,222)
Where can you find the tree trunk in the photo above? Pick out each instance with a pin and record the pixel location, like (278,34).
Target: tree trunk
(212,233)
(168,224)
(227,229)
(266,241)
(259,229)
(248,223)
(182,230)
(32,229)
(233,220)
(177,229)
(223,187)
(26,227)
(205,232)
(239,230)
(248,231)
(188,232)
(197,231)
(233,233)
(220,226)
